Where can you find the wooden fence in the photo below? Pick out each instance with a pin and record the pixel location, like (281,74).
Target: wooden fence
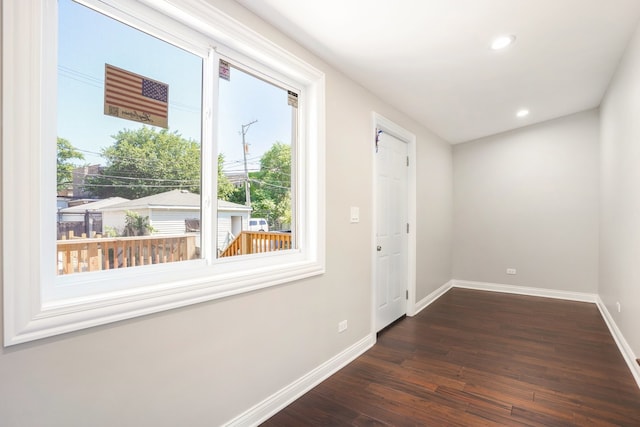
(79,255)
(253,242)
(77,227)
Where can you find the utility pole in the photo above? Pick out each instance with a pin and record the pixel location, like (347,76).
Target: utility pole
(245,148)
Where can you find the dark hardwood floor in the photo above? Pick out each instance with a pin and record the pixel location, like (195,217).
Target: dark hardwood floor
(476,358)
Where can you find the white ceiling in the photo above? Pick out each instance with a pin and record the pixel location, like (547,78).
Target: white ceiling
(431,58)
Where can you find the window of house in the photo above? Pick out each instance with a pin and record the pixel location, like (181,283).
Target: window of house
(188,162)
(257,140)
(129,131)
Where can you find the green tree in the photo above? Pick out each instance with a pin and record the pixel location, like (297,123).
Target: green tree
(144,161)
(226,189)
(271,186)
(239,195)
(66,153)
(137,225)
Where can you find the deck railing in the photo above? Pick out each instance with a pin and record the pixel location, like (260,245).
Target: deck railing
(81,254)
(253,242)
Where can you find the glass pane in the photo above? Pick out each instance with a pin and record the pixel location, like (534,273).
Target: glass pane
(129,146)
(257,132)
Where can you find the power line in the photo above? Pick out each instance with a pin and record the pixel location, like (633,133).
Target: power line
(140,178)
(270,185)
(224,164)
(123,158)
(132,186)
(89,152)
(90,80)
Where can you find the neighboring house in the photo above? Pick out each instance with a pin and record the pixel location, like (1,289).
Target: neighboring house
(75,188)
(168,212)
(232,219)
(79,179)
(77,211)
(237,179)
(83,216)
(62,202)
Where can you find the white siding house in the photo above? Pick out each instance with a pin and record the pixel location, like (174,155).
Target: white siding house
(168,211)
(232,219)
(76,213)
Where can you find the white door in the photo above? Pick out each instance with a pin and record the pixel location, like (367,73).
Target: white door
(236,225)
(391,234)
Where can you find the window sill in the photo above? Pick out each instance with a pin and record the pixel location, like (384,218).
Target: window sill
(66,315)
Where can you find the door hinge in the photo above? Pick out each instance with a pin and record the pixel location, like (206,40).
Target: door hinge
(407,228)
(407,294)
(407,160)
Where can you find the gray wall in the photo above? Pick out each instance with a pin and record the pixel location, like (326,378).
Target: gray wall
(205,364)
(620,202)
(528,199)
(435,219)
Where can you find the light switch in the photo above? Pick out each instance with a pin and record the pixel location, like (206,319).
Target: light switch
(355,214)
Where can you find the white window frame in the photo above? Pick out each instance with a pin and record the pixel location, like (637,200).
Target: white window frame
(35,309)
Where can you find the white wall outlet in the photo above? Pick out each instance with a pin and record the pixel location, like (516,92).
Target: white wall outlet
(618,306)
(511,271)
(342,326)
(355,214)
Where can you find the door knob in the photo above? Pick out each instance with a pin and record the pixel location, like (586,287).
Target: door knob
(379,248)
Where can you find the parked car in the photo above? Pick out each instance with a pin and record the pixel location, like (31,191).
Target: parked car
(258,224)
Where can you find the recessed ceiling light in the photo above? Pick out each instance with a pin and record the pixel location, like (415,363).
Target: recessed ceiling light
(522,113)
(502,42)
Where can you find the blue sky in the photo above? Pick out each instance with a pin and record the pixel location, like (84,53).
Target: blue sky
(88,40)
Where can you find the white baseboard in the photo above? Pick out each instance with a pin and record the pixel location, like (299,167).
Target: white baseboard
(622,344)
(523,290)
(279,400)
(624,347)
(426,301)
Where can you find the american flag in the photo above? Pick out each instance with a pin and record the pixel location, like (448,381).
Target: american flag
(134,97)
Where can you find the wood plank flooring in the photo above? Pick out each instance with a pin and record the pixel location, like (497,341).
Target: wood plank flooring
(476,358)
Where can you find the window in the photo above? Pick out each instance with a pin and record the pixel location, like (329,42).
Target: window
(129,131)
(210,135)
(257,140)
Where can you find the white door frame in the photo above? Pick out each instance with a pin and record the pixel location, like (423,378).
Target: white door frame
(387,126)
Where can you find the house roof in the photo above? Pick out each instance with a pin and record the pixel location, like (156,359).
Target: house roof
(174,199)
(94,206)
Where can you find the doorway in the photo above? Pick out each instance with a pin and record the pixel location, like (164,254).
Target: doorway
(236,225)
(393,280)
